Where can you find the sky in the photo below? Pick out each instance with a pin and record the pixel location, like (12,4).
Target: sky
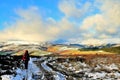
(74,21)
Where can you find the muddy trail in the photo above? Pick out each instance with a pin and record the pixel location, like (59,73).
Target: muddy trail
(82,67)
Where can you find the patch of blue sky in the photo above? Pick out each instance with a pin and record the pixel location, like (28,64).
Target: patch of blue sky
(48,8)
(7,11)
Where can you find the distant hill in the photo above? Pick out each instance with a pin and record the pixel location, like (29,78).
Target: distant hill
(112,49)
(13,47)
(77,45)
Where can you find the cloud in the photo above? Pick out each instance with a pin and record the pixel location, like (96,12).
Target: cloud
(94,25)
(30,26)
(105,24)
(102,24)
(93,41)
(111,10)
(71,8)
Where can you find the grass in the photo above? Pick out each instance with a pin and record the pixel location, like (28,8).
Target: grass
(112,49)
(4,53)
(108,49)
(33,53)
(94,50)
(39,53)
(89,49)
(77,52)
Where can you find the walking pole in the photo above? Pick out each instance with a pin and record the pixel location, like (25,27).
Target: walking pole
(26,74)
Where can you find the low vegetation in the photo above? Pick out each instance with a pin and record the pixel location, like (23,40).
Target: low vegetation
(33,53)
(1,53)
(112,49)
(5,53)
(106,49)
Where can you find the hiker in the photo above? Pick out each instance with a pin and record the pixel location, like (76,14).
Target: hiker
(26,58)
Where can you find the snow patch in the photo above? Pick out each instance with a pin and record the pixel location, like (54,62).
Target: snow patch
(22,73)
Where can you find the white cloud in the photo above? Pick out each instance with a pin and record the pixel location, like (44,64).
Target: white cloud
(31,26)
(105,24)
(93,41)
(111,9)
(97,21)
(71,8)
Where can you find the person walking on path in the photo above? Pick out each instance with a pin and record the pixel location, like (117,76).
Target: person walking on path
(26,58)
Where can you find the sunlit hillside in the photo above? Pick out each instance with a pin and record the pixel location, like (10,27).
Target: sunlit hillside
(33,53)
(56,49)
(112,49)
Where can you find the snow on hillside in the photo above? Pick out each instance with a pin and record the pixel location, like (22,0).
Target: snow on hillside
(66,69)
(20,42)
(94,42)
(66,48)
(21,73)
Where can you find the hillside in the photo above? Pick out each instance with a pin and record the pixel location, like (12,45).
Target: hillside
(17,48)
(62,50)
(70,62)
(112,49)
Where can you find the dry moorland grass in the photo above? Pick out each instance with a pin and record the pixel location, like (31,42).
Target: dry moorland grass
(91,57)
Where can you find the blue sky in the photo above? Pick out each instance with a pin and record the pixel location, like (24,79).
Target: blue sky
(8,7)
(48,8)
(49,20)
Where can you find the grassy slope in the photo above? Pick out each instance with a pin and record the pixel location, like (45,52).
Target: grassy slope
(33,53)
(55,49)
(112,49)
(3,53)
